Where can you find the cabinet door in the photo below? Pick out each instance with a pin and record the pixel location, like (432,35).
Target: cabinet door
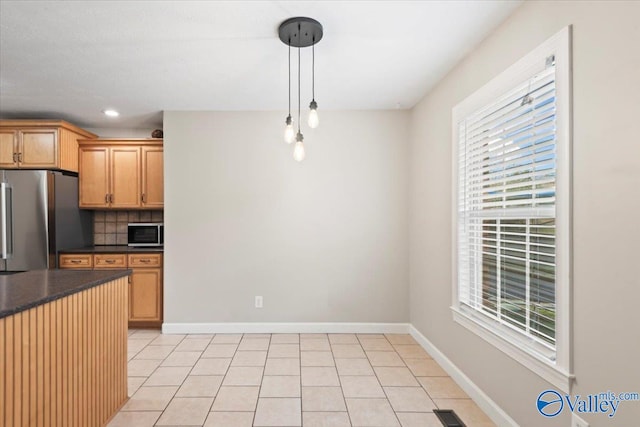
(152,177)
(145,295)
(38,148)
(125,177)
(8,147)
(94,177)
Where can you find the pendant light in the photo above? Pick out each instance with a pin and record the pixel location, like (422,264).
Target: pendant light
(298,151)
(289,133)
(313,121)
(300,32)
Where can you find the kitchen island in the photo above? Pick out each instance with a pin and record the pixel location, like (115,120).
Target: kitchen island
(63,347)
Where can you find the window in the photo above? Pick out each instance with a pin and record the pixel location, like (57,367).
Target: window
(512,206)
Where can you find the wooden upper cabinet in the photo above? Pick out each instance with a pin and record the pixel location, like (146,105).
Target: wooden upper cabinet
(40,144)
(121,174)
(8,148)
(152,177)
(94,173)
(125,177)
(39,148)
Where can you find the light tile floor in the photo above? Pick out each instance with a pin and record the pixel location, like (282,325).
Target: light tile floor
(330,380)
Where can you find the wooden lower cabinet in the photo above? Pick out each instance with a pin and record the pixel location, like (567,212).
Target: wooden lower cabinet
(145,297)
(145,283)
(80,261)
(145,290)
(110,261)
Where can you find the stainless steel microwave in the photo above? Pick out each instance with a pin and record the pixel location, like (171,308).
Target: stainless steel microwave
(146,234)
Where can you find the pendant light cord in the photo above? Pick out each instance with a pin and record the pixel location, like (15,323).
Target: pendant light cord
(313,70)
(298,90)
(289,77)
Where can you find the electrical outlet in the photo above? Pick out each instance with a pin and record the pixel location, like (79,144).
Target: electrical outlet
(259,305)
(578,422)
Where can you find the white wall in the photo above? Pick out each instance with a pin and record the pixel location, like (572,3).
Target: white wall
(606,173)
(325,240)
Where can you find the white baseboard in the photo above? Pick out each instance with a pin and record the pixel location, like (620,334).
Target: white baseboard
(485,403)
(275,328)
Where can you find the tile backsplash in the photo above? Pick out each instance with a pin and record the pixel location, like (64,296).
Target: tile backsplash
(110,227)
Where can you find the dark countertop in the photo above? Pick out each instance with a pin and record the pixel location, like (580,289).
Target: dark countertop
(22,291)
(112,249)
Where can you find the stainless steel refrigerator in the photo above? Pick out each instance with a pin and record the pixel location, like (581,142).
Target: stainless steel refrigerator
(39,216)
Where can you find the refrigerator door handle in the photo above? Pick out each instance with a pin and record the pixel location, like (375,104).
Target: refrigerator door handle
(6,223)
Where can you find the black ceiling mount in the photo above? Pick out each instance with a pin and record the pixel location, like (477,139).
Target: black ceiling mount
(300,32)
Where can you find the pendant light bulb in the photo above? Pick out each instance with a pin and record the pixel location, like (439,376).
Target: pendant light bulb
(314,121)
(298,151)
(289,132)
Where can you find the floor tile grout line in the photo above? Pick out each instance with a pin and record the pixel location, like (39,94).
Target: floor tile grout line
(180,386)
(383,390)
(194,365)
(147,378)
(255,411)
(344,399)
(300,367)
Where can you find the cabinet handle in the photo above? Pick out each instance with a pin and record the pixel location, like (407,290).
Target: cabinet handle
(20,157)
(106,198)
(146,261)
(110,261)
(15,157)
(144,198)
(110,198)
(74,261)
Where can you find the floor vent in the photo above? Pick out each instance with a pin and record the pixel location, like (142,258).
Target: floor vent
(448,418)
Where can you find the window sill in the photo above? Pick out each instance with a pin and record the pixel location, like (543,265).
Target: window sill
(537,364)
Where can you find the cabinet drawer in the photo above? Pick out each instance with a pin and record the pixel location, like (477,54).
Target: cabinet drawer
(145,260)
(76,261)
(110,261)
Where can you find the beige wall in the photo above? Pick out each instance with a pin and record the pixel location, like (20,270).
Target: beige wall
(606,200)
(325,240)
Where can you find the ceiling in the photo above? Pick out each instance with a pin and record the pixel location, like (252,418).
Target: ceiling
(71,60)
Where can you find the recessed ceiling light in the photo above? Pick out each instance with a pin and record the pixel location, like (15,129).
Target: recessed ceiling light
(111,113)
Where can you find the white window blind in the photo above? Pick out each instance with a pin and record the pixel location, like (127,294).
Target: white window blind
(506,209)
